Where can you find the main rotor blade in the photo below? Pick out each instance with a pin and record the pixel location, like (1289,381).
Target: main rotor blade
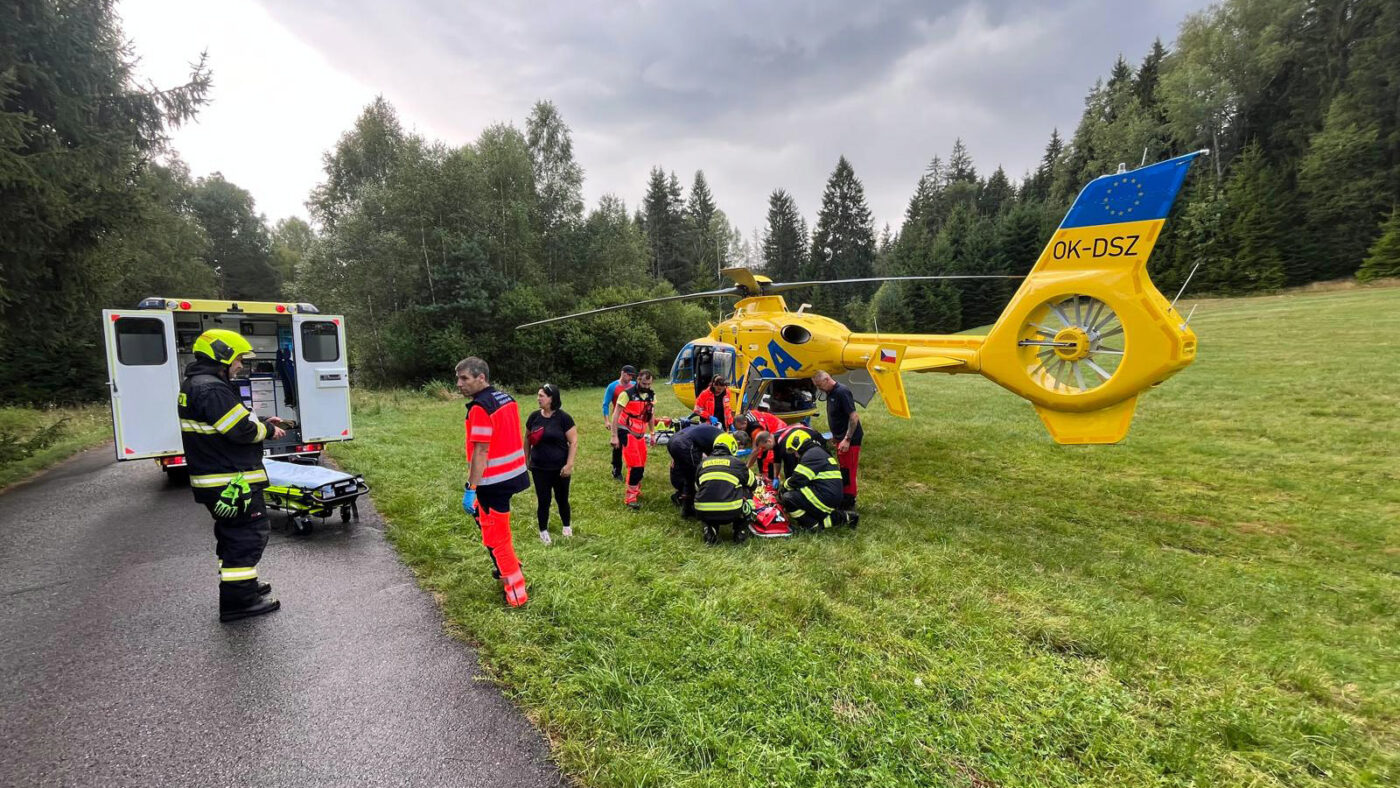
(780,287)
(707,294)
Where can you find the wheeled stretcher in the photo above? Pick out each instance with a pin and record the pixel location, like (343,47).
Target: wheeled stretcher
(306,491)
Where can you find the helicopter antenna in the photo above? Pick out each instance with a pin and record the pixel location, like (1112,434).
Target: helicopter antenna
(1189,316)
(1184,284)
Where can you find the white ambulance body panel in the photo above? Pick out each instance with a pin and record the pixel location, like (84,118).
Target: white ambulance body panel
(299,373)
(323,377)
(144,380)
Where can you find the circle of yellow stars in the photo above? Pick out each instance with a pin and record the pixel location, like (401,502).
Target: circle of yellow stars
(1131,190)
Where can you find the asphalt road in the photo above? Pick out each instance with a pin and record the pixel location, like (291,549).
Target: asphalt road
(115,670)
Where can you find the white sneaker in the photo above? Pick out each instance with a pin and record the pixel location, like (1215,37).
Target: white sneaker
(568,531)
(544,537)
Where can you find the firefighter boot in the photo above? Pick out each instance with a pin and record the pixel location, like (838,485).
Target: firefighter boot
(741,531)
(710,534)
(256,606)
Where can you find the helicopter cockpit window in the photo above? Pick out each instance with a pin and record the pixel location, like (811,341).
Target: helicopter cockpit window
(683,371)
(794,334)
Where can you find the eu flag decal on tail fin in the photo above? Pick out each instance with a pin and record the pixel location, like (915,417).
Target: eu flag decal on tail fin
(1115,221)
(1139,195)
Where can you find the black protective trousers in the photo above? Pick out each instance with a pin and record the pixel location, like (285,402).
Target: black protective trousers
(685,461)
(550,482)
(239,543)
(622,435)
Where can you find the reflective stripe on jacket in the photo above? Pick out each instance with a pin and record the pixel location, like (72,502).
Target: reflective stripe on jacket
(817,476)
(494,419)
(723,484)
(222,438)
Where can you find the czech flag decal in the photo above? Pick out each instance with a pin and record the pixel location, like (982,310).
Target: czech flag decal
(887,356)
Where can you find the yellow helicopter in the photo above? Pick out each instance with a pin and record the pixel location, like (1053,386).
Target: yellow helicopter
(1085,333)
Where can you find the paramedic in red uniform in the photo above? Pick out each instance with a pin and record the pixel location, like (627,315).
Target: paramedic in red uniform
(634,413)
(846,433)
(496,470)
(713,404)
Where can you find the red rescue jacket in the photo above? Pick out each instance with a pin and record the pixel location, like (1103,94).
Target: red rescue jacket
(494,419)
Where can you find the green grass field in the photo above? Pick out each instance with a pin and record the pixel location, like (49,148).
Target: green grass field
(83,427)
(1212,603)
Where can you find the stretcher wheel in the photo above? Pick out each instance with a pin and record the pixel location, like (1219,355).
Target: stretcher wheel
(301,526)
(345,514)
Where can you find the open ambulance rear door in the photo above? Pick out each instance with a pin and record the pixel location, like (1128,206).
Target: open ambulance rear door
(323,378)
(144,379)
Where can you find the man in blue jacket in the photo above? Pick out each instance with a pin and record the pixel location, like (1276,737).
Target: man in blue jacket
(623,383)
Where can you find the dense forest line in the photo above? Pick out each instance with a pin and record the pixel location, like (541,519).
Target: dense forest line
(433,251)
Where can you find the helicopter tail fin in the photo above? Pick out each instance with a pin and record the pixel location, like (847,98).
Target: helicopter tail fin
(1088,331)
(1106,425)
(884,370)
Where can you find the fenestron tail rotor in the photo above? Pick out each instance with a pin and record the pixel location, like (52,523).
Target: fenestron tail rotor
(1072,344)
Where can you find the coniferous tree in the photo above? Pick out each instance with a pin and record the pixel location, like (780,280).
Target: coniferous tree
(1256,226)
(1038,187)
(663,221)
(997,194)
(784,239)
(706,243)
(77,134)
(960,184)
(1342,186)
(843,242)
(1383,258)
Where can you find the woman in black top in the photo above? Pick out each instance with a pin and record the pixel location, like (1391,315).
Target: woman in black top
(550,445)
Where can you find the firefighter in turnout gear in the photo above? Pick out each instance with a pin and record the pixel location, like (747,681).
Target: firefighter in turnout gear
(634,413)
(781,462)
(724,490)
(496,471)
(223,451)
(811,495)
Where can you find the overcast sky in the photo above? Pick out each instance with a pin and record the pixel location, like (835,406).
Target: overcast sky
(760,95)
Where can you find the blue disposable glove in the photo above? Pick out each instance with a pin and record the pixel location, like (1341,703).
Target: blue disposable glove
(469,501)
(714,421)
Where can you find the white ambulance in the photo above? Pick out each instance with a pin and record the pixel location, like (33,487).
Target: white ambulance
(299,373)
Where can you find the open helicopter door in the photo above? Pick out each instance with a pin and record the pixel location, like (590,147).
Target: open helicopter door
(323,378)
(144,381)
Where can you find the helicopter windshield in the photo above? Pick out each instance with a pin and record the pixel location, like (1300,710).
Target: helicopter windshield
(698,364)
(683,371)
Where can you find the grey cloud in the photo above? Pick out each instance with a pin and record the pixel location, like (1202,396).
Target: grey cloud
(759,95)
